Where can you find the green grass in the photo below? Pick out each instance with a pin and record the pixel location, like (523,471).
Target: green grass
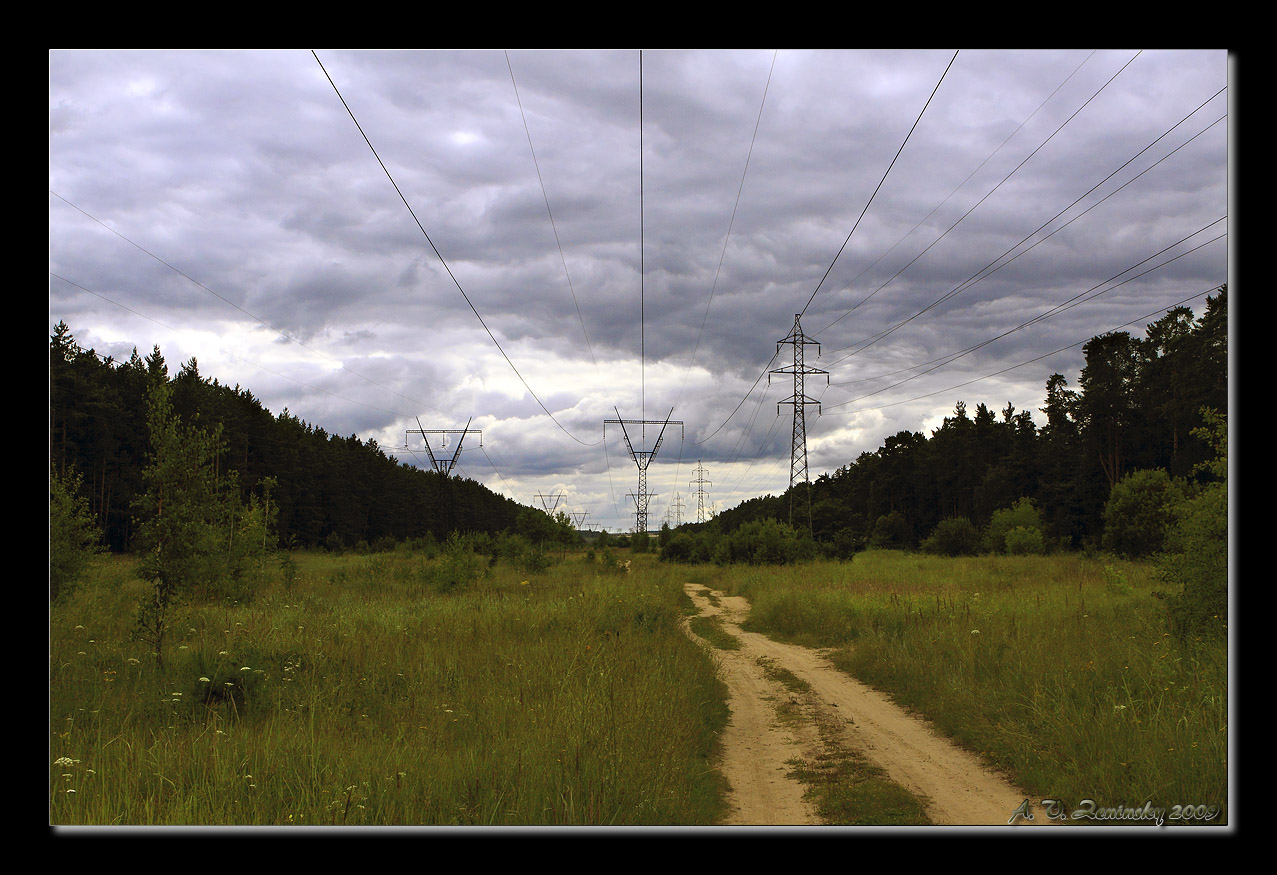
(1059,670)
(361,695)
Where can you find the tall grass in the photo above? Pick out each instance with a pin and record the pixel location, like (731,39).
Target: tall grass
(1060,670)
(365,693)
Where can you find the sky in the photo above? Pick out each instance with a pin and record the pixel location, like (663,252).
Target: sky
(533,242)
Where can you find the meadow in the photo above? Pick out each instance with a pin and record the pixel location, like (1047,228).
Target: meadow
(1058,670)
(392,689)
(365,690)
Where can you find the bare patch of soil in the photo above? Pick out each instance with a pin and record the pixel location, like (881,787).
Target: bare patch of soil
(955,787)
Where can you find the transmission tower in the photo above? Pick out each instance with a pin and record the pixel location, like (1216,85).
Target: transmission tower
(545,499)
(677,507)
(800,401)
(578,517)
(642,458)
(444,467)
(700,482)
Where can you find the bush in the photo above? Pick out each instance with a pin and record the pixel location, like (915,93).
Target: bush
(1023,514)
(764,542)
(956,536)
(457,567)
(1023,541)
(844,545)
(1196,545)
(1139,512)
(892,530)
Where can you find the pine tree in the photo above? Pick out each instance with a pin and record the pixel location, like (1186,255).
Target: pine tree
(181,513)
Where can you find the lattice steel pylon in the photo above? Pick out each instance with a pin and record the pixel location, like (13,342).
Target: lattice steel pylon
(444,467)
(800,402)
(700,482)
(545,499)
(642,458)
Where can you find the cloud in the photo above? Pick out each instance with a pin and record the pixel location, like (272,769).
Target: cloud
(232,191)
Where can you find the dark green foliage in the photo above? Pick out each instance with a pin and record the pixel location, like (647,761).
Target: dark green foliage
(956,536)
(457,567)
(1022,515)
(1022,541)
(765,542)
(690,547)
(1196,548)
(184,515)
(892,530)
(331,490)
(72,536)
(1139,511)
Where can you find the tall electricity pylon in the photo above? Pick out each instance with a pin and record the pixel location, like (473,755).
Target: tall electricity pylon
(444,467)
(549,508)
(642,458)
(800,401)
(700,482)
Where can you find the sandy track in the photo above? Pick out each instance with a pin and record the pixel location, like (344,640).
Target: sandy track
(954,786)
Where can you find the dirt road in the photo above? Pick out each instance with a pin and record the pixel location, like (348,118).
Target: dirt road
(954,786)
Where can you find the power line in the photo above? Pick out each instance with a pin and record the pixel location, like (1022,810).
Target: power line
(1058,308)
(1015,170)
(1024,363)
(442,261)
(993,266)
(880,182)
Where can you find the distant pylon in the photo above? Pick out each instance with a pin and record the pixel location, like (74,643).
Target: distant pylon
(545,501)
(700,482)
(642,458)
(799,400)
(675,511)
(444,466)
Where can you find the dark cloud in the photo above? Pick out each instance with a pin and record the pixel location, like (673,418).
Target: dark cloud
(318,290)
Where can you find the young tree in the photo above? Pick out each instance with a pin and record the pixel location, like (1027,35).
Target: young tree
(180,514)
(72,535)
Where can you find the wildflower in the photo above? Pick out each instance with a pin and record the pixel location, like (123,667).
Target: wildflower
(65,761)
(204,680)
(975,631)
(245,668)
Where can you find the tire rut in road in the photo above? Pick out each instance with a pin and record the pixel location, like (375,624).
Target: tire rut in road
(956,789)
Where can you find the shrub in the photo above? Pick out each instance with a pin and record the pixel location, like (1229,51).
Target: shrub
(1196,545)
(1139,512)
(956,536)
(1023,514)
(457,567)
(892,530)
(1023,541)
(764,542)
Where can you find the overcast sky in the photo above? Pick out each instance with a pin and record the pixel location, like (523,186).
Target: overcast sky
(579,240)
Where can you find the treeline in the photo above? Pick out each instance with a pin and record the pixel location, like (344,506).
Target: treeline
(328,490)
(1136,408)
